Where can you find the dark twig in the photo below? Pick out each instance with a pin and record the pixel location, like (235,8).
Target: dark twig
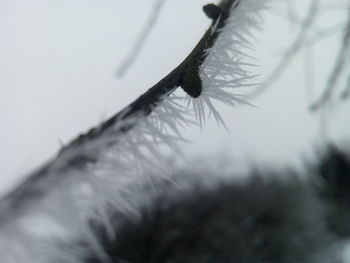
(338,69)
(133,53)
(184,75)
(292,50)
(346,93)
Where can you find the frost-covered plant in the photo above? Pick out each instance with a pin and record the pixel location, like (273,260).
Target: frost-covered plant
(110,171)
(112,195)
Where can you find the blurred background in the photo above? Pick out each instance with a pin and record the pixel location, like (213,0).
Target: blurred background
(58,77)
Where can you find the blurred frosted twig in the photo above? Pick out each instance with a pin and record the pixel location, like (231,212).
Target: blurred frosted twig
(292,50)
(291,12)
(346,93)
(309,35)
(322,34)
(135,50)
(338,69)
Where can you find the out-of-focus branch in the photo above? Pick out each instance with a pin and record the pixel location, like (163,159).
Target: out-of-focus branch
(338,69)
(135,50)
(346,93)
(292,50)
(309,35)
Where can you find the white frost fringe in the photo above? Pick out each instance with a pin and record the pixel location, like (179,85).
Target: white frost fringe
(44,227)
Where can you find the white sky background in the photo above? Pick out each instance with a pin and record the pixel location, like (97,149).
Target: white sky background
(58,63)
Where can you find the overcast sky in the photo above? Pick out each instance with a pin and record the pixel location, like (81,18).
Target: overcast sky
(58,67)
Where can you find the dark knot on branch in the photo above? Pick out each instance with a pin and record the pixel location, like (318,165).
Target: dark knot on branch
(191,82)
(213,11)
